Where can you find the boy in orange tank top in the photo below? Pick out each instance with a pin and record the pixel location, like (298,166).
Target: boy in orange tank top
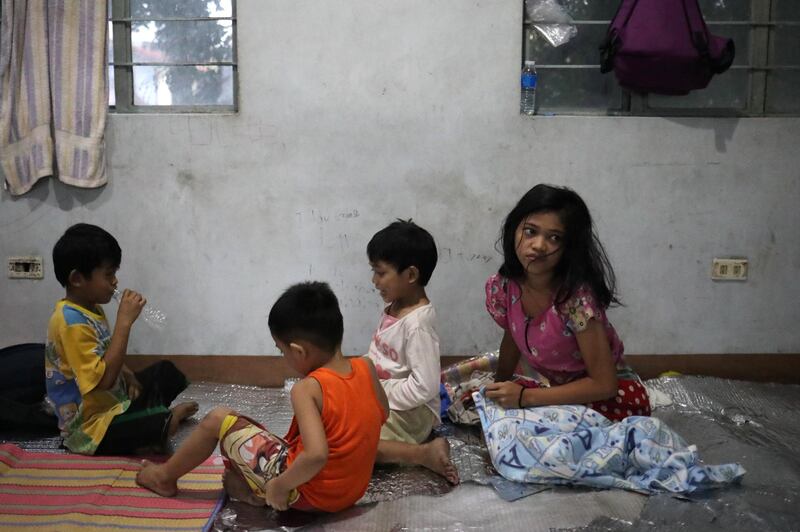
(324,463)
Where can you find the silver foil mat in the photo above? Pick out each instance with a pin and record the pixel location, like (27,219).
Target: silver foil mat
(754,424)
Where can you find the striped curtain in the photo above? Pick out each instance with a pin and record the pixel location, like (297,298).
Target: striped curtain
(53,92)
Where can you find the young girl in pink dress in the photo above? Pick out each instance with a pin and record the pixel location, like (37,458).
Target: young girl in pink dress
(550,296)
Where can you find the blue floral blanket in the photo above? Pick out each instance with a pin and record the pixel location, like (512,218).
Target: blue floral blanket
(573,444)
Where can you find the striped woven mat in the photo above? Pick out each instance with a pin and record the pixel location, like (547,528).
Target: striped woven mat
(48,491)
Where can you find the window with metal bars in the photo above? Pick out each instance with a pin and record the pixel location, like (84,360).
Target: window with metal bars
(172,56)
(764,79)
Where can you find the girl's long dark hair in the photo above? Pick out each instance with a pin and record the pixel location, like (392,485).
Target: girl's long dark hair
(584,260)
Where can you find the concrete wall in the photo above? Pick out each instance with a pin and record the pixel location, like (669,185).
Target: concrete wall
(353,115)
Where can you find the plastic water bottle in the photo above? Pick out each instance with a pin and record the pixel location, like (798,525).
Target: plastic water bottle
(151,315)
(289,383)
(527,102)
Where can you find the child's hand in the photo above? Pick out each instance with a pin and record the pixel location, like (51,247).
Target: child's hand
(275,496)
(130,306)
(505,394)
(134,387)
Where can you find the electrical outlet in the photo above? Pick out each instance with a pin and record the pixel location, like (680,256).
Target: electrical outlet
(729,269)
(25,268)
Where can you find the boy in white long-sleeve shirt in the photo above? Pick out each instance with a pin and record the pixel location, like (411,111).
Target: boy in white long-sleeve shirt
(405,348)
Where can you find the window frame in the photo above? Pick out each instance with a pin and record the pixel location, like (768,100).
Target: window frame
(122,21)
(762,47)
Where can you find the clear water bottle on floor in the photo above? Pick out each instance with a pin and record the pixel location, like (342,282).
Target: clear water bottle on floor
(527,102)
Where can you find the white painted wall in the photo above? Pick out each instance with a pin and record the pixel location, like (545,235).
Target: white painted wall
(354,114)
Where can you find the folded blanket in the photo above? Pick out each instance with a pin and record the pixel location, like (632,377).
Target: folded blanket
(572,444)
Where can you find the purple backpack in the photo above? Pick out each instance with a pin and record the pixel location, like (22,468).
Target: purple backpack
(663,46)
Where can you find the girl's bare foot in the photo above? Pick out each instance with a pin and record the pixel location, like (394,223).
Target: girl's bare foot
(152,477)
(181,412)
(436,457)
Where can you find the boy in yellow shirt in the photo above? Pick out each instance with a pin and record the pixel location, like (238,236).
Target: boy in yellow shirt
(102,406)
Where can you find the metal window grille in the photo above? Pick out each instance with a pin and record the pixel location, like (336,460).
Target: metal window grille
(763,81)
(127,62)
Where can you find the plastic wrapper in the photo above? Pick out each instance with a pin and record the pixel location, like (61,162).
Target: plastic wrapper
(551,20)
(463,378)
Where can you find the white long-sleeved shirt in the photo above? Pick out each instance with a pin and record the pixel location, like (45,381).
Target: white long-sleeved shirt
(406,358)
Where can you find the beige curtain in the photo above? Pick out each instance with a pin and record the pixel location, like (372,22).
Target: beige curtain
(53,92)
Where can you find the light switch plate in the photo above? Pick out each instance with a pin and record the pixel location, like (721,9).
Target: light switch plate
(29,267)
(729,269)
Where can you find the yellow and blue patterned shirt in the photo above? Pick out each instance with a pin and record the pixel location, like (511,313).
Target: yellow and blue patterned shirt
(77,339)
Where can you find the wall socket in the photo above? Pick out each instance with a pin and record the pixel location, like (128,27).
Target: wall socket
(25,268)
(729,269)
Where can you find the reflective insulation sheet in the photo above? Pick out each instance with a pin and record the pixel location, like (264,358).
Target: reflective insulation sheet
(754,424)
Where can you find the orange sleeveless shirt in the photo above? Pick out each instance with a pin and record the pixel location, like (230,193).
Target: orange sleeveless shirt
(352,417)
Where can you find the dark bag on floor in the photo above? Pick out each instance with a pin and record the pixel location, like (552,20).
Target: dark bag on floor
(22,389)
(664,47)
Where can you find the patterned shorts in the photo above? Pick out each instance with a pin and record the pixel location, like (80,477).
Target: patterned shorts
(256,455)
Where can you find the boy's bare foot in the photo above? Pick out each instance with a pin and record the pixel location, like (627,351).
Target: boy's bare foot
(180,412)
(184,410)
(237,489)
(151,476)
(436,457)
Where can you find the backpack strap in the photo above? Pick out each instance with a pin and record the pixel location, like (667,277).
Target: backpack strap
(697,28)
(700,38)
(610,45)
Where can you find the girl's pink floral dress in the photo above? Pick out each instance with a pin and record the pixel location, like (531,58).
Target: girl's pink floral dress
(550,352)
